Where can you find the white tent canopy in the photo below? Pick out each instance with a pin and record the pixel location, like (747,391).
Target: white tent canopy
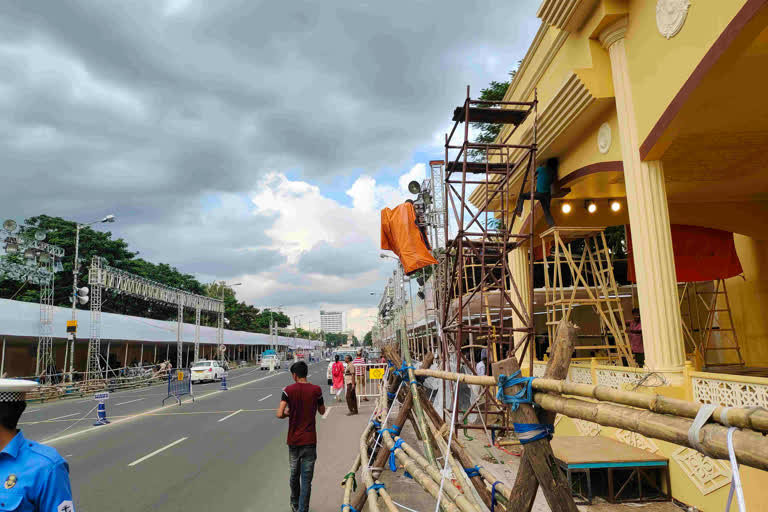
(23,319)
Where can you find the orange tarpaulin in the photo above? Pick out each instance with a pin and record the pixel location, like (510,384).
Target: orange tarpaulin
(701,254)
(401,235)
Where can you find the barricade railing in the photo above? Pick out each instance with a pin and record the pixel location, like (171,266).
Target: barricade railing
(179,384)
(374,375)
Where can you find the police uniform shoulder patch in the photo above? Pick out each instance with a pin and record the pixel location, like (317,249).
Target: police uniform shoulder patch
(10,482)
(65,506)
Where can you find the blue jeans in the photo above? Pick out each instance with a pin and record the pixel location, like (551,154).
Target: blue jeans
(301,460)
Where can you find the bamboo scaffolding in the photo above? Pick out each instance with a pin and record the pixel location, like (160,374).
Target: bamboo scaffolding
(381,458)
(421,477)
(450,490)
(752,419)
(750,447)
(373,496)
(387,499)
(349,483)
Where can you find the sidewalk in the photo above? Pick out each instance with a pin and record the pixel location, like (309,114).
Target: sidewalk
(338,441)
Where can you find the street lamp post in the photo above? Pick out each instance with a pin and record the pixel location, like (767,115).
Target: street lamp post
(224,286)
(75,270)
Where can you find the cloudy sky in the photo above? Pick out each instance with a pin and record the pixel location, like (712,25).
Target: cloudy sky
(243,140)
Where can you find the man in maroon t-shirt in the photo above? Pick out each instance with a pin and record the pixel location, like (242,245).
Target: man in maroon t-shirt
(300,402)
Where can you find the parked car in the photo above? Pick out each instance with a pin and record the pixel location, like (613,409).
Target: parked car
(206,371)
(268,360)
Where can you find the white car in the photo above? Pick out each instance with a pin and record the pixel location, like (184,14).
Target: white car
(206,371)
(269,360)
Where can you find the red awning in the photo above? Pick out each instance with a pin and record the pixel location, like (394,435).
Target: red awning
(701,254)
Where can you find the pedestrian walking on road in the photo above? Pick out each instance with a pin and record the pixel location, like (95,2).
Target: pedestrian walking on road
(35,477)
(349,380)
(359,364)
(300,403)
(337,373)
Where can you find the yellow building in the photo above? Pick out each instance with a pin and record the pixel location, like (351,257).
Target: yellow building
(660,105)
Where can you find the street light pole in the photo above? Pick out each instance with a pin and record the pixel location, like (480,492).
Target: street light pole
(75,270)
(224,286)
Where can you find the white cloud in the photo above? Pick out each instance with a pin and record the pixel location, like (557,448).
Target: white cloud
(417,173)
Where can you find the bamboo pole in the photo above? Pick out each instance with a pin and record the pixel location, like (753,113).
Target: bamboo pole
(753,419)
(419,475)
(460,453)
(453,493)
(750,447)
(359,500)
(457,468)
(373,497)
(387,499)
(348,483)
(417,409)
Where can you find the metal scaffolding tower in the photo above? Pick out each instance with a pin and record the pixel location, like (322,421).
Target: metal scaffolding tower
(492,174)
(103,277)
(45,360)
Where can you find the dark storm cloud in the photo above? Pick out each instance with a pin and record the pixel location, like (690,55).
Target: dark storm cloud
(143,108)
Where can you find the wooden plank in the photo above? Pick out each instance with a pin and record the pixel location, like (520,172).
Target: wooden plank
(584,450)
(537,455)
(526,483)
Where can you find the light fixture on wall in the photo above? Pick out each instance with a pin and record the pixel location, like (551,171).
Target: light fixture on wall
(591,206)
(565,208)
(615,206)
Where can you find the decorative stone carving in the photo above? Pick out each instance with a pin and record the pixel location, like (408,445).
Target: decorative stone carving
(707,474)
(636,440)
(729,393)
(580,375)
(604,138)
(670,16)
(617,378)
(586,428)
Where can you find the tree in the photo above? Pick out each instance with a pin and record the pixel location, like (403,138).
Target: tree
(333,339)
(368,339)
(489,131)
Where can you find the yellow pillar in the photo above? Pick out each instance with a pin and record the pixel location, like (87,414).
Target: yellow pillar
(649,220)
(518,267)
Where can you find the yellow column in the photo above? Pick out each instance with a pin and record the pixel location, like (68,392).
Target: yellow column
(518,267)
(649,220)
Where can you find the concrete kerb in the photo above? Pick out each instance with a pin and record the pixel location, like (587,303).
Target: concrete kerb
(146,413)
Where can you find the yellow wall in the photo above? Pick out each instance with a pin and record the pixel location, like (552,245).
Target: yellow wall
(659,67)
(749,299)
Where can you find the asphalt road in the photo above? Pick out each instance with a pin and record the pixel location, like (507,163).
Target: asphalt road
(226,451)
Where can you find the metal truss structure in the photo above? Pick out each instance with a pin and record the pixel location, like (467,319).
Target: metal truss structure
(477,308)
(101,277)
(42,261)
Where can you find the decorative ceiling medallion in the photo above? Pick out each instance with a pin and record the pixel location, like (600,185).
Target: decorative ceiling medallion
(670,16)
(604,138)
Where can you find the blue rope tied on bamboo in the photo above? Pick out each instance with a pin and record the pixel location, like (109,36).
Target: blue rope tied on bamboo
(350,507)
(493,494)
(403,370)
(407,475)
(472,472)
(394,430)
(375,487)
(376,423)
(524,396)
(391,395)
(530,432)
(392,460)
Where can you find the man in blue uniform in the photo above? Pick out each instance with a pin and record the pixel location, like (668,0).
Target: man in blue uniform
(33,477)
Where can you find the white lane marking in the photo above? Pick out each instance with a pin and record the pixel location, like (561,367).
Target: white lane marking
(260,399)
(129,401)
(145,413)
(327,412)
(225,417)
(66,416)
(137,461)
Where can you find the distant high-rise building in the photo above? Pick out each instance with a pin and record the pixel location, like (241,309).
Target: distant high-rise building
(332,321)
